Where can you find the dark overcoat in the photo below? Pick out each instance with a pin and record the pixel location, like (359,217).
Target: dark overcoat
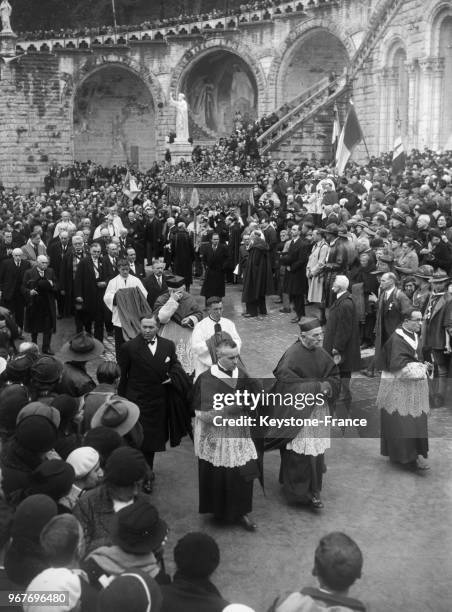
(142,375)
(257,278)
(40,310)
(216,263)
(183,255)
(296,258)
(342,333)
(67,281)
(85,286)
(389,316)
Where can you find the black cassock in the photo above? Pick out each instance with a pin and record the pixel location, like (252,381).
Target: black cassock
(216,261)
(225,492)
(300,370)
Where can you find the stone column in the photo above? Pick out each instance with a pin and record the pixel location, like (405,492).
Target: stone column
(425,102)
(438,64)
(413,105)
(383,110)
(393,83)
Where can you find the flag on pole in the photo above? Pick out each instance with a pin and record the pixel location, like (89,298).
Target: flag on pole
(398,157)
(351,136)
(130,189)
(336,132)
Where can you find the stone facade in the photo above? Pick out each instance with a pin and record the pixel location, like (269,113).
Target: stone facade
(107,98)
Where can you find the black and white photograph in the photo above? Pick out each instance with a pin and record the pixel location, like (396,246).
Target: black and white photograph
(225,305)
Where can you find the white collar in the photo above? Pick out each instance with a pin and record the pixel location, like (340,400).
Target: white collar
(413,343)
(338,295)
(215,371)
(388,292)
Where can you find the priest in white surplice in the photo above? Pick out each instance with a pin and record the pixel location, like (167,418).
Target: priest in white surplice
(124,280)
(208,333)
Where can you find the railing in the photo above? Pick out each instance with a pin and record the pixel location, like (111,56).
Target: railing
(325,95)
(302,106)
(164,34)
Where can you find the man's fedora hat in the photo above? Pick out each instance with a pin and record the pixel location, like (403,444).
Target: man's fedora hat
(439,276)
(424,272)
(117,413)
(82,347)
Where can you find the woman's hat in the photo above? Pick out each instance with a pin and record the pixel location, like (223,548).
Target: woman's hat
(36,433)
(82,347)
(39,409)
(131,590)
(118,414)
(12,399)
(125,466)
(138,529)
(32,514)
(46,370)
(83,460)
(54,477)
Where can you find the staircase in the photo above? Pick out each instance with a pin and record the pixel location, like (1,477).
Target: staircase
(324,94)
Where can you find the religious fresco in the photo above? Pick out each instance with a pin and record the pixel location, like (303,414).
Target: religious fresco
(218,87)
(113,115)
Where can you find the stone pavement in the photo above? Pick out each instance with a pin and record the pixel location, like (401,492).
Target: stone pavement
(400,520)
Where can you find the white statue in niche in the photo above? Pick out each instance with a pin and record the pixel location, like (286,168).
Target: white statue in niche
(5,16)
(181,106)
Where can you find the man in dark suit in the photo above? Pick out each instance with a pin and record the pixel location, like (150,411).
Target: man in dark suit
(89,289)
(437,330)
(341,339)
(152,235)
(109,264)
(155,283)
(68,268)
(295,261)
(11,277)
(215,259)
(146,363)
(56,252)
(391,307)
(39,288)
(137,269)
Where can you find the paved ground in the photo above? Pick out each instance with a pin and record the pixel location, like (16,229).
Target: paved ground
(402,521)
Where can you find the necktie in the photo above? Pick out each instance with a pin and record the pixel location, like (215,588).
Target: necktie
(152,342)
(159,280)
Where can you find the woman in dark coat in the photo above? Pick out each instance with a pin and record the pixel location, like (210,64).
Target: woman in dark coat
(258,277)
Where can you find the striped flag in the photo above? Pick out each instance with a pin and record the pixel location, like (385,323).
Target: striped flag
(351,136)
(398,157)
(336,132)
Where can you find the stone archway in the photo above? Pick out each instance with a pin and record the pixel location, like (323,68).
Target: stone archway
(297,38)
(219,78)
(115,107)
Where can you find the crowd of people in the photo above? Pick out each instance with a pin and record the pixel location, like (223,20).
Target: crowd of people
(241,11)
(366,256)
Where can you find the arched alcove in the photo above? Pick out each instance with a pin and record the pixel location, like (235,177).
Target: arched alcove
(314,55)
(218,84)
(114,118)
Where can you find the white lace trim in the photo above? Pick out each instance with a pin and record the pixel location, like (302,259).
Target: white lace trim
(312,440)
(406,396)
(213,444)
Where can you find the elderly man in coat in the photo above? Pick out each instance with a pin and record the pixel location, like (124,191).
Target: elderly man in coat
(40,288)
(341,339)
